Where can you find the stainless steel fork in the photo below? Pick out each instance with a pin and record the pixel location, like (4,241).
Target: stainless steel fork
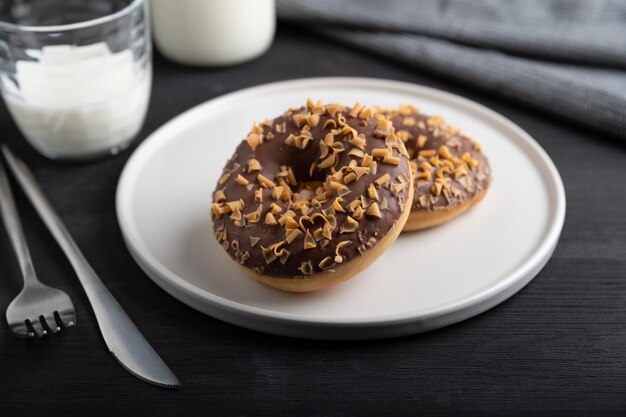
(38,308)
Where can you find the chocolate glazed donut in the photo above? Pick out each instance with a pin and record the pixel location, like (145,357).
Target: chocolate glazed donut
(450,172)
(312,197)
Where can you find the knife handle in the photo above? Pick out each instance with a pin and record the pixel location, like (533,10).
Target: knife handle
(90,281)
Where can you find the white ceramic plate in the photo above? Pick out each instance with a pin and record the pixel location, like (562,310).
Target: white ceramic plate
(425,280)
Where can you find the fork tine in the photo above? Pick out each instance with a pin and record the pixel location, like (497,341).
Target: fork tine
(67,318)
(58,321)
(21,330)
(37,327)
(49,323)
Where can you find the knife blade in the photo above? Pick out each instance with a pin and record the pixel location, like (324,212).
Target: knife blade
(124,340)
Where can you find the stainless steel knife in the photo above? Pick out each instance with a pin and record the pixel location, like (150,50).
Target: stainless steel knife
(120,334)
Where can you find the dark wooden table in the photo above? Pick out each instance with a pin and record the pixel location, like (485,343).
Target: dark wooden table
(558,347)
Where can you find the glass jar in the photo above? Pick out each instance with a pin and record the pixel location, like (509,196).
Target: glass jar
(76,75)
(213,32)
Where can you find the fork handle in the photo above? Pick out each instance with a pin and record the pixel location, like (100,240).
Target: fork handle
(11,220)
(92,284)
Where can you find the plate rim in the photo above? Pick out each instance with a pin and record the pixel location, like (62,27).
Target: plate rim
(472,305)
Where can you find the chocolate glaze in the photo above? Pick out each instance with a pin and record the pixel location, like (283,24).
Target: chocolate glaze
(439,134)
(274,153)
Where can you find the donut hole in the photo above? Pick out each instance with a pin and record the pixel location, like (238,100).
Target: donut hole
(309,191)
(307,186)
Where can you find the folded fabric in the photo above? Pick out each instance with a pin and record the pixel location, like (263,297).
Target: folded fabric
(566,57)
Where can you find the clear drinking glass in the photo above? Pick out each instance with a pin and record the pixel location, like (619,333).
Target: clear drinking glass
(76,74)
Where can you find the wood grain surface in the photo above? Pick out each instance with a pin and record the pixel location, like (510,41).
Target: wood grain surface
(556,348)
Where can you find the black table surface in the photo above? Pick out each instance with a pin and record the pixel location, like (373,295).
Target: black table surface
(558,347)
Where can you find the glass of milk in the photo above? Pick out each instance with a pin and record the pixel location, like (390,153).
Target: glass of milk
(76,74)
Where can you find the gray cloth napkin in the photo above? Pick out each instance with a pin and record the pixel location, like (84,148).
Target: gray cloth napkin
(566,57)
